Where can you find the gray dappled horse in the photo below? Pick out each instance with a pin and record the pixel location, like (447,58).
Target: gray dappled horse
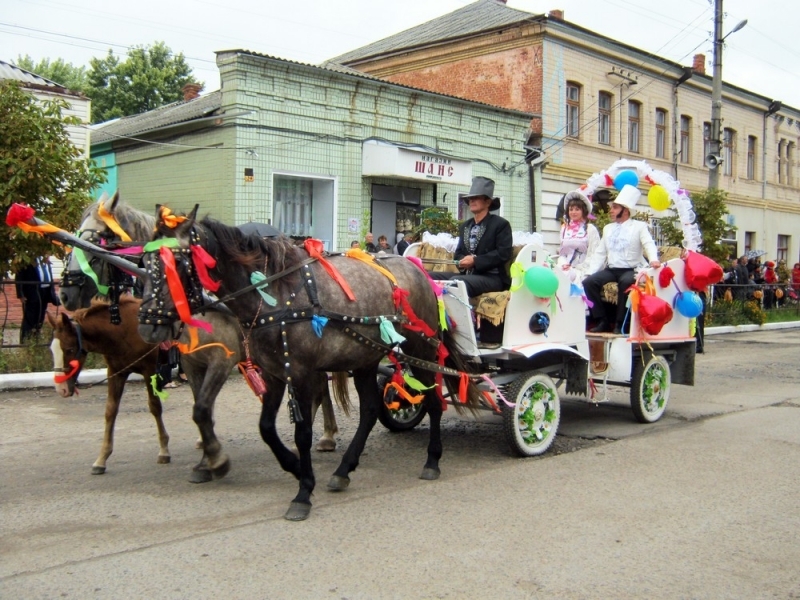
(208,368)
(312,326)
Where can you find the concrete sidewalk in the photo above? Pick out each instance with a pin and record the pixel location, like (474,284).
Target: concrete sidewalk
(17,381)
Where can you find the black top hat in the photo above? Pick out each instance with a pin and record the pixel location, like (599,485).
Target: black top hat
(482,187)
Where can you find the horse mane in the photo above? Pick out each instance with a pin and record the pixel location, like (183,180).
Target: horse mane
(251,251)
(99,306)
(136,223)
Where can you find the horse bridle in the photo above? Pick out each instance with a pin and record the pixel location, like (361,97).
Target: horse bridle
(73,370)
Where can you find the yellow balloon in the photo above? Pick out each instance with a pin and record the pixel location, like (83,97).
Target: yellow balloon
(658,198)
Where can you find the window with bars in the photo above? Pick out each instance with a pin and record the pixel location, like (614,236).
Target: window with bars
(634,121)
(661,133)
(293,203)
(752,148)
(686,141)
(573,109)
(604,118)
(783,248)
(728,150)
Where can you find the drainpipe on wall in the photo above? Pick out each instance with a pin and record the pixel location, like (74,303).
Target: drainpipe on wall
(535,158)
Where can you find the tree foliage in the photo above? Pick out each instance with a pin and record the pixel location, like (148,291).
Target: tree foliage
(710,206)
(66,74)
(40,167)
(150,77)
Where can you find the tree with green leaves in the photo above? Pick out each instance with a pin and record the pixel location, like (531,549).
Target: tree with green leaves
(150,77)
(41,167)
(63,73)
(710,206)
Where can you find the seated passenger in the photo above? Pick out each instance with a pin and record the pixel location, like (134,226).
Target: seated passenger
(622,249)
(579,238)
(484,243)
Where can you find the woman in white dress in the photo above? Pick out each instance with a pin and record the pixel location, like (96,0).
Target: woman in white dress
(579,237)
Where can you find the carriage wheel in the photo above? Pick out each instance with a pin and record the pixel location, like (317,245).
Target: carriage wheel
(650,385)
(404,418)
(530,425)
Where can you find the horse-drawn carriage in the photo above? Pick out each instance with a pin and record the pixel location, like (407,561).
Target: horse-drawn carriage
(299,317)
(544,346)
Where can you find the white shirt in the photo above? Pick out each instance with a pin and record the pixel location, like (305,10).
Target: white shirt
(624,246)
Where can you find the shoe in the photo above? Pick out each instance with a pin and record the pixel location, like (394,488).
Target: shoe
(488,345)
(617,330)
(602,327)
(171,385)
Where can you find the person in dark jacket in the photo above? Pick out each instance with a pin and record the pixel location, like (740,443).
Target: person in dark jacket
(35,289)
(484,243)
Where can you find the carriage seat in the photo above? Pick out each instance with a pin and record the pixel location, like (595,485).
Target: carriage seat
(665,253)
(491,305)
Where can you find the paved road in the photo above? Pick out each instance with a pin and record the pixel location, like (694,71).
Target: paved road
(702,504)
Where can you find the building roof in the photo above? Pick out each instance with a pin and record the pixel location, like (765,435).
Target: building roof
(474,18)
(178,112)
(32,80)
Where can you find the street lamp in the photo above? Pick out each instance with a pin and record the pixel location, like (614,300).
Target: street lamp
(714,158)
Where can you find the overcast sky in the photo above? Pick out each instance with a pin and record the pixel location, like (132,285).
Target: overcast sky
(763,57)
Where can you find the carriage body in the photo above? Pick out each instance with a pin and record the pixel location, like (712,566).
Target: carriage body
(533,362)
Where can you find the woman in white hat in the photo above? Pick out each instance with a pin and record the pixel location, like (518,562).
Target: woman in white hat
(579,238)
(622,249)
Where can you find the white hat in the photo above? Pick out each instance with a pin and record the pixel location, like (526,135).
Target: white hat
(628,197)
(577,195)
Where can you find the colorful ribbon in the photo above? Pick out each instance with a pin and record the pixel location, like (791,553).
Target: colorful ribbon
(169,219)
(112,223)
(517,273)
(87,270)
(318,323)
(257,277)
(367,258)
(388,333)
(177,292)
(203,261)
(76,366)
(193,346)
(314,249)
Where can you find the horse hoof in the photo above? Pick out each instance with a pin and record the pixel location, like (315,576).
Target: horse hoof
(297,512)
(326,445)
(200,476)
(163,460)
(222,469)
(338,484)
(429,474)
(98,470)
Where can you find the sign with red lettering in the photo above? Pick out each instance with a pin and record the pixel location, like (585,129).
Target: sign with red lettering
(386,160)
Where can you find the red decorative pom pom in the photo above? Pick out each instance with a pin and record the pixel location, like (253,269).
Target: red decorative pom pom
(19,213)
(665,276)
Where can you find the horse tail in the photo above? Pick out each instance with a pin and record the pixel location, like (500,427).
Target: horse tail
(341,395)
(456,361)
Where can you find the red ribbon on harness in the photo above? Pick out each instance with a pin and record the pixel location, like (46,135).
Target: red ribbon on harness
(67,376)
(314,249)
(400,298)
(176,291)
(203,261)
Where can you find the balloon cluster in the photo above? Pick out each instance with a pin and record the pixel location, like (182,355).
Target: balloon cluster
(664,191)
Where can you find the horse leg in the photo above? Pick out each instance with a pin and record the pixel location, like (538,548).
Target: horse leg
(366,382)
(271,402)
(300,507)
(322,397)
(114,393)
(434,405)
(154,403)
(206,385)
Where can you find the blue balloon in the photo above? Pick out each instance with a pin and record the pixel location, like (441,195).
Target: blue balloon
(688,304)
(624,178)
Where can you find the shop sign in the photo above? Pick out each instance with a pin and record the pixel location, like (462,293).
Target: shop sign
(384,160)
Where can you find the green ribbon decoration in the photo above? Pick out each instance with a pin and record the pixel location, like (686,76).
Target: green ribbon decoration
(257,277)
(415,384)
(162,395)
(388,333)
(158,244)
(517,272)
(442,315)
(87,270)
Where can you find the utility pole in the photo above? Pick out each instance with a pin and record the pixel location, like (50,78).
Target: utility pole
(714,159)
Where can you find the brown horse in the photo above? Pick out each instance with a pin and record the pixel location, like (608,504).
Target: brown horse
(90,330)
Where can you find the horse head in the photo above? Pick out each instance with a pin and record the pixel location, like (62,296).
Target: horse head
(172,288)
(68,353)
(104,223)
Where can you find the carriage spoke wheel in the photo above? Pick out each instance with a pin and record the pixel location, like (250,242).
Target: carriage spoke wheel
(530,425)
(404,418)
(650,385)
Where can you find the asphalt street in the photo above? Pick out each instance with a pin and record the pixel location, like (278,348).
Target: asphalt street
(702,504)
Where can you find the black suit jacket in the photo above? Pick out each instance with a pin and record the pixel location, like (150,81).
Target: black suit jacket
(494,249)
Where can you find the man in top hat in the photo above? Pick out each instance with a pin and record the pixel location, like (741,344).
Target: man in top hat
(484,243)
(623,248)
